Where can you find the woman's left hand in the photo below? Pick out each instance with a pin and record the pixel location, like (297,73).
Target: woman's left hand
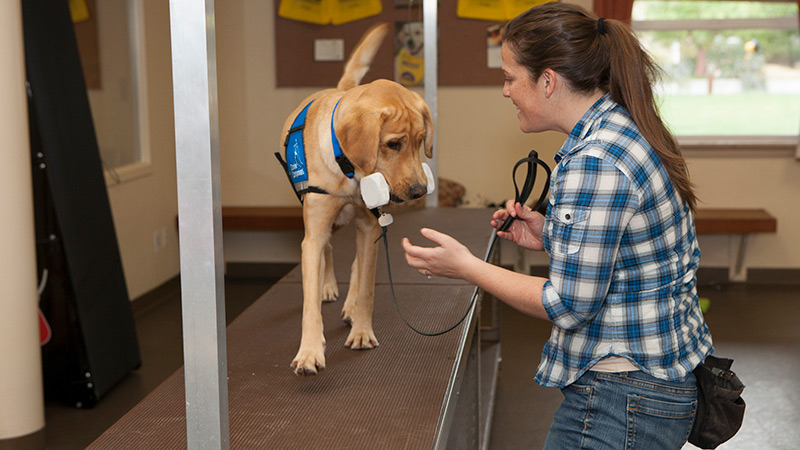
(450,259)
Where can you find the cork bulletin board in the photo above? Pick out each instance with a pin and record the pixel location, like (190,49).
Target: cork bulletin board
(462,48)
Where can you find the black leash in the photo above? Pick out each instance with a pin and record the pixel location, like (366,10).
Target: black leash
(394,297)
(530,179)
(532,160)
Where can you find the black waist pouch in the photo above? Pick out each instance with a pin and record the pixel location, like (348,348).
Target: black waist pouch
(720,407)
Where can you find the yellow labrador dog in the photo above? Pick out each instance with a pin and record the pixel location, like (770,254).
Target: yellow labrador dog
(349,133)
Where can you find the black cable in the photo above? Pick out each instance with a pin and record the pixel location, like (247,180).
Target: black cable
(532,160)
(397,307)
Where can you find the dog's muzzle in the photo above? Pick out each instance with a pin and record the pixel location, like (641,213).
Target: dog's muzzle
(375,190)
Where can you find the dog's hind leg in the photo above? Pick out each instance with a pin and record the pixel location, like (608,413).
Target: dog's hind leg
(330,290)
(359,304)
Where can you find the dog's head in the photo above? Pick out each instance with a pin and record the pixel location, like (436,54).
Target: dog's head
(411,36)
(382,127)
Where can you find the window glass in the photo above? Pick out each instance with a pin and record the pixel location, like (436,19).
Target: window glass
(731,68)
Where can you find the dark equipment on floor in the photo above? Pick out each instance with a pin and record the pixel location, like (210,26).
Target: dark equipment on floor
(86,299)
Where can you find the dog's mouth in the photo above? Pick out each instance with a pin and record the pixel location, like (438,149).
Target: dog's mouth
(413,48)
(395,199)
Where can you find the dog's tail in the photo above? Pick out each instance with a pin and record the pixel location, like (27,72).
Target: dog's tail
(359,62)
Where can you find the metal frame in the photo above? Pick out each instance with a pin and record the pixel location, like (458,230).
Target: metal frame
(194,73)
(431,77)
(469,399)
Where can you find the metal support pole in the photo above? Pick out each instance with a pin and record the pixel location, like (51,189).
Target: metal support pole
(737,272)
(431,54)
(194,75)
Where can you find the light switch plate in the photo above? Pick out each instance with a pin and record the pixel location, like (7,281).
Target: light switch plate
(329,50)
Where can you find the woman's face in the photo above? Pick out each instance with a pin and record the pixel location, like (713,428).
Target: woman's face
(527,95)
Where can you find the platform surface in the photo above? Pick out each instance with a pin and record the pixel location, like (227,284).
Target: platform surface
(388,397)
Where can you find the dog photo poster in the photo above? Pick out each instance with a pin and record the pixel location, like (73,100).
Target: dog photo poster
(494,41)
(409,62)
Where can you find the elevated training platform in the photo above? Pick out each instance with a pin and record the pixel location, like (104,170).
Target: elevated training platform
(412,392)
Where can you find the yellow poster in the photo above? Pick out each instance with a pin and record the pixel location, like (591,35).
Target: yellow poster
(323,12)
(343,11)
(313,11)
(78,10)
(409,58)
(482,9)
(517,7)
(495,10)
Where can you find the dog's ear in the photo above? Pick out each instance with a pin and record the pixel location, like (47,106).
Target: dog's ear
(359,130)
(428,132)
(426,115)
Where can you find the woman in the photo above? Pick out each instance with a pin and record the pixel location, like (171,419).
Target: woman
(621,293)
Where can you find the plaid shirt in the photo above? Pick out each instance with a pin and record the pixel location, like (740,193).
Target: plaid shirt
(623,257)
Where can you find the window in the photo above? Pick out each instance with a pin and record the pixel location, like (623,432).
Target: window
(114,71)
(731,70)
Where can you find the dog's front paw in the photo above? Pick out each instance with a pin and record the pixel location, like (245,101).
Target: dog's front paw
(308,362)
(361,340)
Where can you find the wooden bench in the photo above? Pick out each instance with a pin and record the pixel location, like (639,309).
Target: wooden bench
(262,218)
(734,221)
(741,222)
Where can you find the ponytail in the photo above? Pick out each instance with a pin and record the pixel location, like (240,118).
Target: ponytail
(602,54)
(632,75)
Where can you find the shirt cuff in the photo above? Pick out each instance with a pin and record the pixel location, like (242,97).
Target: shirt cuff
(554,307)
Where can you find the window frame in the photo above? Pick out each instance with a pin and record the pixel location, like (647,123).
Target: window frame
(771,145)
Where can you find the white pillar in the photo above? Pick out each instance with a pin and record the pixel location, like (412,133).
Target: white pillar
(21,392)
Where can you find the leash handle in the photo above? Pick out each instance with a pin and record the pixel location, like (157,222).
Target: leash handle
(531,161)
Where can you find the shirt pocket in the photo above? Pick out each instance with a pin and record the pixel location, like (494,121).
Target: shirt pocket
(567,229)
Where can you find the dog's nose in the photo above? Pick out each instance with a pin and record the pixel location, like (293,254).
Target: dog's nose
(417,190)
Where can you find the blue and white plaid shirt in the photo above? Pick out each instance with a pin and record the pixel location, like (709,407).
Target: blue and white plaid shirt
(623,257)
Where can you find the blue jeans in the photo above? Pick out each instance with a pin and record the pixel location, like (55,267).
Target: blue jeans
(626,410)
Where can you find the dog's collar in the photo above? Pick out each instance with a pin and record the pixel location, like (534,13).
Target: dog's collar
(341,159)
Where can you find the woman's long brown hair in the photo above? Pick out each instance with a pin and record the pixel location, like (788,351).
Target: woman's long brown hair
(567,39)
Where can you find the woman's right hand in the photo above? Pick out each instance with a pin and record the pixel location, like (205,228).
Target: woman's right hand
(525,231)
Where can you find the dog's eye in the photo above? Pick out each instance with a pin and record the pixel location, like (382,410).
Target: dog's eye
(394,145)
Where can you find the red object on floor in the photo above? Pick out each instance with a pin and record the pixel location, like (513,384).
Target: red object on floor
(45,333)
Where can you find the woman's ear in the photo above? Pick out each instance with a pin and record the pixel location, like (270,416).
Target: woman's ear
(549,79)
(358,130)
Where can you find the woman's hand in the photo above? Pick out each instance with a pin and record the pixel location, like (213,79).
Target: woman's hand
(526,231)
(450,259)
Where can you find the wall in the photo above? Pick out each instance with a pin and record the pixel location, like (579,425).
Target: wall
(478,137)
(147,203)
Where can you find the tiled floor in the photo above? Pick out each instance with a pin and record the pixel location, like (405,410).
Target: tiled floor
(756,325)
